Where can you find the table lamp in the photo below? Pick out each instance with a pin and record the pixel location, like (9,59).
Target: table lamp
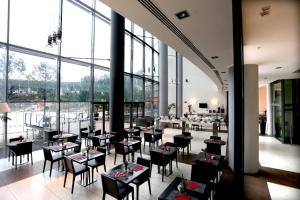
(4,108)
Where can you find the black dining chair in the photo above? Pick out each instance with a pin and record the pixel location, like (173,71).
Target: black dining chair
(84,136)
(115,188)
(137,146)
(143,177)
(160,160)
(52,158)
(75,169)
(148,137)
(11,148)
(173,156)
(182,143)
(72,138)
(98,132)
(121,149)
(98,161)
(213,148)
(24,148)
(50,135)
(188,134)
(158,135)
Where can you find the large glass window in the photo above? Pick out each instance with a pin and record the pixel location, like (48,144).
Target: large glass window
(74,86)
(138,90)
(3,20)
(172,80)
(102,42)
(31,78)
(148,62)
(127,88)
(156,99)
(2,73)
(103,9)
(148,98)
(31,28)
(138,58)
(155,66)
(148,38)
(76,37)
(138,31)
(101,85)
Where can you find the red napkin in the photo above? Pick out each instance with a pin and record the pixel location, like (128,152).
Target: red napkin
(119,174)
(92,151)
(78,157)
(137,168)
(192,185)
(182,197)
(55,147)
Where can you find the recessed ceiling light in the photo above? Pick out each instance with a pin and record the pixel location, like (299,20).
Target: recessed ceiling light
(225,80)
(278,67)
(223,72)
(214,57)
(182,14)
(259,47)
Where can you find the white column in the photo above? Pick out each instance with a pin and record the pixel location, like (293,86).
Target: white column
(251,162)
(179,75)
(269,110)
(163,79)
(231,117)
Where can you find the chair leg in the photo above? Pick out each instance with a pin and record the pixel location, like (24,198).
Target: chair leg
(17,161)
(137,192)
(31,159)
(104,167)
(132,193)
(103,196)
(65,179)
(51,169)
(8,156)
(115,158)
(149,186)
(44,166)
(163,173)
(92,174)
(73,184)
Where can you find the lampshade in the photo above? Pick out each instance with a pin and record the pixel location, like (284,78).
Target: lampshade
(4,108)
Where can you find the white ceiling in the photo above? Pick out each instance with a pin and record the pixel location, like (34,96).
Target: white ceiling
(209,28)
(273,40)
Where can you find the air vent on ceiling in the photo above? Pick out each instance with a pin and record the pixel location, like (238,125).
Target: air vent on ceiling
(297,71)
(149,5)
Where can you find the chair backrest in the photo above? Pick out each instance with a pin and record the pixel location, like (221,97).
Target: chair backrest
(158,136)
(158,130)
(138,145)
(148,137)
(181,142)
(215,137)
(69,165)
(171,144)
(137,127)
(109,185)
(98,132)
(83,129)
(213,148)
(119,147)
(78,148)
(24,148)
(13,139)
(47,154)
(186,134)
(157,158)
(137,133)
(101,159)
(72,138)
(95,142)
(203,172)
(51,134)
(143,161)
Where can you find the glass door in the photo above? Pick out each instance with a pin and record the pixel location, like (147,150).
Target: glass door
(277,109)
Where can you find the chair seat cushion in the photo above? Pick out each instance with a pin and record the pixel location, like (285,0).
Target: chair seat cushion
(94,163)
(56,156)
(79,168)
(124,189)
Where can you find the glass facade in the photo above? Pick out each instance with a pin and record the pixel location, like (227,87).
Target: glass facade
(67,84)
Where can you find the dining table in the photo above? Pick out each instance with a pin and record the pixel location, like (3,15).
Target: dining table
(214,141)
(15,147)
(193,190)
(105,137)
(83,158)
(127,174)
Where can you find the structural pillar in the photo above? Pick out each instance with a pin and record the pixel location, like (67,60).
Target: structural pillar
(116,95)
(163,79)
(179,72)
(269,110)
(251,134)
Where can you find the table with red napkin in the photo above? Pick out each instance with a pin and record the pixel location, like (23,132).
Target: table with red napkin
(182,197)
(92,151)
(192,185)
(120,174)
(137,168)
(78,157)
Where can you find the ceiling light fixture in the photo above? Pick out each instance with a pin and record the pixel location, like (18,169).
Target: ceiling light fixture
(214,57)
(265,11)
(223,72)
(182,14)
(278,67)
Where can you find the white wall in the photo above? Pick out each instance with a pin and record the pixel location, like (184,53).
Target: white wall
(200,87)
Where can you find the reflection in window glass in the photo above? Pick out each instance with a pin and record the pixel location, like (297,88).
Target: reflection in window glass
(127,88)
(138,31)
(137,58)
(31,78)
(102,42)
(73,116)
(148,98)
(103,9)
(74,86)
(31,28)
(3,20)
(127,53)
(137,90)
(76,38)
(155,66)
(101,85)
(156,100)
(148,62)
(148,38)
(2,74)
